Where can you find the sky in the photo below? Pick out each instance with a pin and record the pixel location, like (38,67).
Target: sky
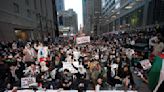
(76,5)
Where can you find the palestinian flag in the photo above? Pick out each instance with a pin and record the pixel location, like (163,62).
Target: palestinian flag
(156,74)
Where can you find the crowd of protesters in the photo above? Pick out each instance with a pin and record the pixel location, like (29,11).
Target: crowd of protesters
(104,63)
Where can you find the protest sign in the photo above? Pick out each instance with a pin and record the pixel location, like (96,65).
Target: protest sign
(145,64)
(27,81)
(43,54)
(68,65)
(84,39)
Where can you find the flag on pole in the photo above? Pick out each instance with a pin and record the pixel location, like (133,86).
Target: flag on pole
(156,74)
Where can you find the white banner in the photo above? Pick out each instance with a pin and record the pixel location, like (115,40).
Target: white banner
(84,39)
(27,81)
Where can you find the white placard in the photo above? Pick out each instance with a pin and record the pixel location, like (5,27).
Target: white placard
(68,65)
(84,39)
(43,54)
(25,82)
(145,64)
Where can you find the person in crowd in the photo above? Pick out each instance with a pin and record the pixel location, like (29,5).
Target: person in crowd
(14,78)
(4,75)
(127,78)
(58,62)
(98,85)
(109,76)
(100,62)
(67,80)
(80,81)
(155,75)
(32,71)
(28,55)
(14,45)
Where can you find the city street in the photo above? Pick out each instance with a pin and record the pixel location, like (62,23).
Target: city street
(81,45)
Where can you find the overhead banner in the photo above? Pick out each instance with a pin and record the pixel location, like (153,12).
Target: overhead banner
(84,39)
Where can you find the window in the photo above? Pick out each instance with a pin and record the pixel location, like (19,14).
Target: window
(16,7)
(27,2)
(35,4)
(28,13)
(37,19)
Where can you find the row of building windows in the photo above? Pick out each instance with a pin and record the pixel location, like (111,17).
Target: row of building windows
(28,3)
(17,10)
(109,5)
(17,7)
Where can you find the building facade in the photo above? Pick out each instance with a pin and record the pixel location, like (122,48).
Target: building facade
(60,5)
(87,15)
(68,18)
(91,14)
(55,18)
(60,8)
(123,15)
(26,19)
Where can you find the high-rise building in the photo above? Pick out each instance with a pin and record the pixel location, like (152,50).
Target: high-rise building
(155,12)
(84,4)
(97,17)
(26,19)
(55,18)
(60,5)
(91,14)
(60,8)
(122,15)
(87,15)
(69,19)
